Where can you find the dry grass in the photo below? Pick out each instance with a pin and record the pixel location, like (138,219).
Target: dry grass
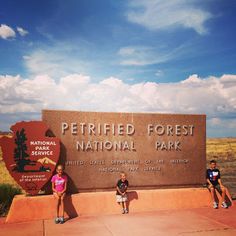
(5,177)
(221,149)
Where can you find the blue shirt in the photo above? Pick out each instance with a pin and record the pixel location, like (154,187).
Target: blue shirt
(213,175)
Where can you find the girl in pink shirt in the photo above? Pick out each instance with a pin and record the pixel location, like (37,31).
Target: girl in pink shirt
(59,185)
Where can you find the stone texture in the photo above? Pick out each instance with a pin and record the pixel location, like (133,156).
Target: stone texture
(146,167)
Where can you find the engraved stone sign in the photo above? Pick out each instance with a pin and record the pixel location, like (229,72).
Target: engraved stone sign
(155,150)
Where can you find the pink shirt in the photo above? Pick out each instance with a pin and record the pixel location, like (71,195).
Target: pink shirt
(59,182)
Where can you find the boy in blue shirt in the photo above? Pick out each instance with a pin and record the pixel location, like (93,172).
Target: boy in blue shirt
(214,182)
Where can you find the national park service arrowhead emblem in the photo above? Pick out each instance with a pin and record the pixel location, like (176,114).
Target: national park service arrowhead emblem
(30,156)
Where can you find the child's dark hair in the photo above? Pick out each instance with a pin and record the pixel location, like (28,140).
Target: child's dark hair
(212,161)
(60,165)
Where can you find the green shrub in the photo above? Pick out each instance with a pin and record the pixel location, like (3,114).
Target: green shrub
(7,193)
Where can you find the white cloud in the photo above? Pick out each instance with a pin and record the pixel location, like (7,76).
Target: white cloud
(6,32)
(159,73)
(215,121)
(41,62)
(212,96)
(141,55)
(137,55)
(22,31)
(56,61)
(193,79)
(126,51)
(218,126)
(162,14)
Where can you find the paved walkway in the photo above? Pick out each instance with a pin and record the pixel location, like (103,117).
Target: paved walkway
(191,222)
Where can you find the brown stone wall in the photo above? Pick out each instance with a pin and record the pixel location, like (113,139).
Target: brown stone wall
(156,150)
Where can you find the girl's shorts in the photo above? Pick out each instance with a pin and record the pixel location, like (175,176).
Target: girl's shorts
(120,198)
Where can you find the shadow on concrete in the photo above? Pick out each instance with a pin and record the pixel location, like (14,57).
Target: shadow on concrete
(132,195)
(69,208)
(218,196)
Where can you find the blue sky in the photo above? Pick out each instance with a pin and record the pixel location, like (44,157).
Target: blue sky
(136,55)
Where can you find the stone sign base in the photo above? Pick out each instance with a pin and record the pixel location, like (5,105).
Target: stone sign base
(99,203)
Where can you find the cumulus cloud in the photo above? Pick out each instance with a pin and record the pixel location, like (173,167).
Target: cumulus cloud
(212,96)
(6,32)
(162,14)
(22,31)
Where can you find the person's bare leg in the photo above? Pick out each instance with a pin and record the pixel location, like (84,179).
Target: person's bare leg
(212,194)
(223,194)
(57,204)
(125,205)
(62,205)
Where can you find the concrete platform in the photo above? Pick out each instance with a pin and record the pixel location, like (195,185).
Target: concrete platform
(198,221)
(103,203)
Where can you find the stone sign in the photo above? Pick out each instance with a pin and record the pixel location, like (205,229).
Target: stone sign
(29,155)
(155,150)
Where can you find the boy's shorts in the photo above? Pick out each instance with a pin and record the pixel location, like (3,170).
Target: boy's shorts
(120,198)
(217,187)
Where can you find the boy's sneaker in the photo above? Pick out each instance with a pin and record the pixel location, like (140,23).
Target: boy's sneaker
(224,205)
(61,219)
(126,211)
(215,205)
(57,220)
(123,211)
